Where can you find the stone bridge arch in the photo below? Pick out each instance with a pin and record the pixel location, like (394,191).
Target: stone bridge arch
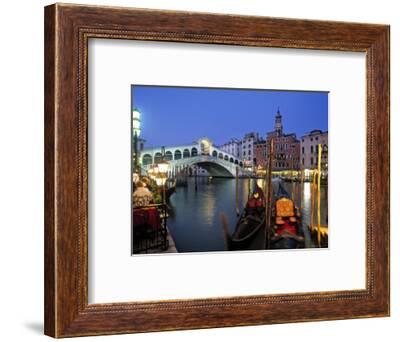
(215,167)
(217,162)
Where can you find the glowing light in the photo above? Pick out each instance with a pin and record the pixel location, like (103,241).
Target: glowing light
(163,167)
(307,192)
(260,183)
(135,114)
(136,122)
(160,181)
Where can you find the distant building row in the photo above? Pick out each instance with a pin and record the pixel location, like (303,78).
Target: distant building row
(290,153)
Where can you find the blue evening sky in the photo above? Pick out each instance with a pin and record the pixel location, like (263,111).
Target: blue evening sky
(181,115)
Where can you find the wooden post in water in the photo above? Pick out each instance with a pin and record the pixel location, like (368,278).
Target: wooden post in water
(266,187)
(237,190)
(301,189)
(248,187)
(268,195)
(292,173)
(319,195)
(312,200)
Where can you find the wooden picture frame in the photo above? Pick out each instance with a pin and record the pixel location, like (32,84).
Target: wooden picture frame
(67,31)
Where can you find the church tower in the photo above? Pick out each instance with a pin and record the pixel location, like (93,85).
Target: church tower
(278,123)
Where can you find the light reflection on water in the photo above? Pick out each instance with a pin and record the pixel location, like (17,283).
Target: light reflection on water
(194,219)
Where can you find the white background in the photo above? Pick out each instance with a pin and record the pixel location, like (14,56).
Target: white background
(21,172)
(114,65)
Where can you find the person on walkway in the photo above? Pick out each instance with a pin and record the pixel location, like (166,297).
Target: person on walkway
(142,196)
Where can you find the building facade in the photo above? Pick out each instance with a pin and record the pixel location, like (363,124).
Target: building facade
(243,149)
(232,147)
(290,153)
(247,149)
(309,149)
(286,147)
(260,153)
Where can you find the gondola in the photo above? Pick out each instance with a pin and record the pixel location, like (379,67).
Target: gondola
(250,233)
(286,225)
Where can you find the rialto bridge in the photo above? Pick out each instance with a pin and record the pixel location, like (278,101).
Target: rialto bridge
(201,153)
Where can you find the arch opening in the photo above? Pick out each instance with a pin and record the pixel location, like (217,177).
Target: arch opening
(147,159)
(177,155)
(215,170)
(157,158)
(168,155)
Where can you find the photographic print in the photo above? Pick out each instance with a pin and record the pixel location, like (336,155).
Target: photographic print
(221,169)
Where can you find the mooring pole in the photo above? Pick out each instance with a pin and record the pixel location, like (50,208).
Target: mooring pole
(301,190)
(319,195)
(248,187)
(266,191)
(268,200)
(312,200)
(237,190)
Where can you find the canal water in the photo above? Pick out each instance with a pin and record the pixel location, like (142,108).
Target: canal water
(194,217)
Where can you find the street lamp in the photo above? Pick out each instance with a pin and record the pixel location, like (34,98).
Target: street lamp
(160,180)
(163,167)
(155,170)
(136,123)
(163,172)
